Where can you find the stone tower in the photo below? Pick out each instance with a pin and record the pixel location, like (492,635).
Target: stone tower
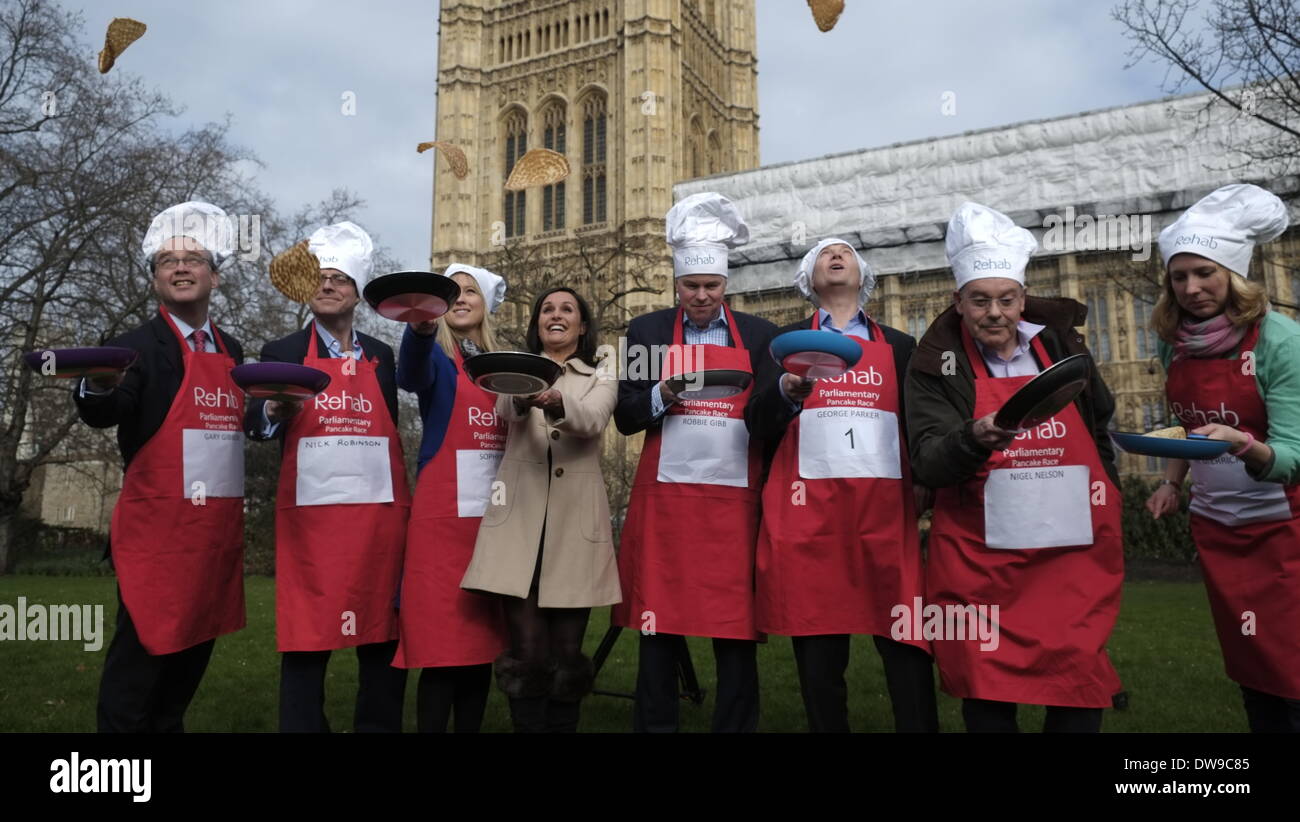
(637,94)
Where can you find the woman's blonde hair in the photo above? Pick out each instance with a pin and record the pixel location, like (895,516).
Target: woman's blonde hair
(450,340)
(1247,303)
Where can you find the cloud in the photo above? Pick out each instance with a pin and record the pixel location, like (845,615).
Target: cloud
(279,68)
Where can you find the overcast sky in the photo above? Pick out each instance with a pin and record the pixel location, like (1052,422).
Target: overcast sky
(279,68)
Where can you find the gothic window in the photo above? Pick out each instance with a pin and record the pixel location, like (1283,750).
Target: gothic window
(1145,336)
(594,119)
(715,153)
(696,148)
(553,137)
(1098,325)
(516,134)
(917,322)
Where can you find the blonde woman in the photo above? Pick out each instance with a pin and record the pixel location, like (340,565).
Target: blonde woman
(450,633)
(1234,374)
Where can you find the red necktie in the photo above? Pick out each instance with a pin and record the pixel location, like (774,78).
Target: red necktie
(200,340)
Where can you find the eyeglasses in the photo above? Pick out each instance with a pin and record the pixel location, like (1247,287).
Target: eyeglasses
(172,263)
(336,280)
(983,303)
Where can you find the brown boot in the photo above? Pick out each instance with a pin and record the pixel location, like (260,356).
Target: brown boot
(526,685)
(574,679)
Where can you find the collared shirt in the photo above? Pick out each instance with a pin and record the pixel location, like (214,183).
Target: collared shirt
(335,351)
(857,325)
(715,333)
(1021,363)
(187,332)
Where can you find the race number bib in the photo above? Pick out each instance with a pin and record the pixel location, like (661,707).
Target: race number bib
(704,450)
(848,442)
(1037,507)
(1225,493)
(344,470)
(476,468)
(215,459)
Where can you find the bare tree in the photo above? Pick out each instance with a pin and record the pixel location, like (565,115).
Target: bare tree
(86,161)
(1246,54)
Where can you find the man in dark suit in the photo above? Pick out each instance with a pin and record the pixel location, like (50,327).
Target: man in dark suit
(178,587)
(338,544)
(687,547)
(816,583)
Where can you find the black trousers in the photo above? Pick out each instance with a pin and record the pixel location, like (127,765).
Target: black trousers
(909,676)
(657,699)
(984,716)
(380,690)
(1268,714)
(457,693)
(143,693)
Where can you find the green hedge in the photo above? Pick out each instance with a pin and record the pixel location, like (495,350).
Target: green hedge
(1168,539)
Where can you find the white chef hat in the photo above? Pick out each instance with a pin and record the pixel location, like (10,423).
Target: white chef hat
(1225,225)
(803,277)
(202,222)
(492,286)
(982,242)
(700,229)
(346,247)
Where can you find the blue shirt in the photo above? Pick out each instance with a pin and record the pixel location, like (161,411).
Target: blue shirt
(1021,363)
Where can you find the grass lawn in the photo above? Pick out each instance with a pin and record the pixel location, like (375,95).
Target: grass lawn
(1164,648)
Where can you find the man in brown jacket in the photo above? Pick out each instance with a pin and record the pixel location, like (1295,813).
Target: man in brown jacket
(1026,522)
(941,392)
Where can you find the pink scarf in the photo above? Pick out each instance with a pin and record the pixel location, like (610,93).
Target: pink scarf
(1207,338)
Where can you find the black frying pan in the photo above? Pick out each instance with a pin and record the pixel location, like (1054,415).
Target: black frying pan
(516,373)
(1045,395)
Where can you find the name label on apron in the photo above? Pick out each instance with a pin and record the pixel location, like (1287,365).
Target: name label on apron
(704,450)
(475,470)
(844,441)
(1225,493)
(343,470)
(214,458)
(1045,507)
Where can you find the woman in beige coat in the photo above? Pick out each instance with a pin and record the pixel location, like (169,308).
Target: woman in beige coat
(545,543)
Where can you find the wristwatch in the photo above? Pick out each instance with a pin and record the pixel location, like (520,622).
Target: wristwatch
(1178,485)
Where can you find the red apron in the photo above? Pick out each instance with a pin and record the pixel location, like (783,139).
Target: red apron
(442,624)
(178,526)
(1036,533)
(1247,533)
(340,519)
(839,548)
(686,555)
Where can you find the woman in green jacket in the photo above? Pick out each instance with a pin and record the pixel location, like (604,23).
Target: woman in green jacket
(1234,374)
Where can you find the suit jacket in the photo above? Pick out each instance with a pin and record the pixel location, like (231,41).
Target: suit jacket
(293,348)
(768,413)
(140,403)
(656,328)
